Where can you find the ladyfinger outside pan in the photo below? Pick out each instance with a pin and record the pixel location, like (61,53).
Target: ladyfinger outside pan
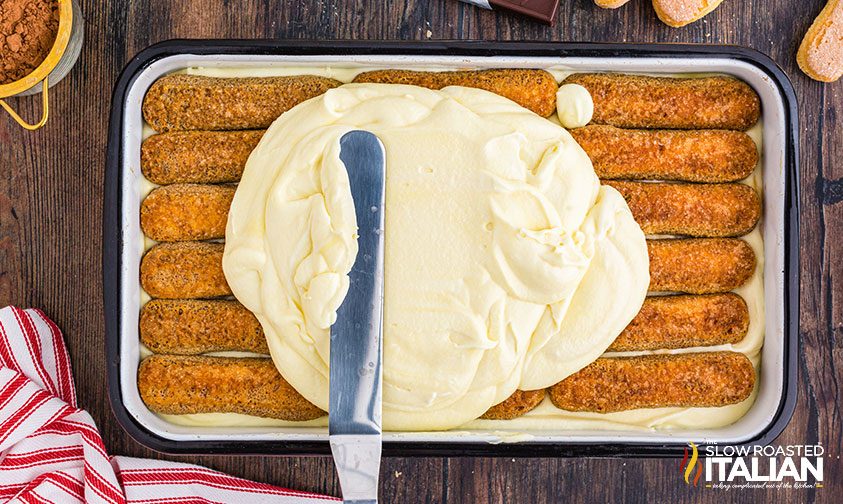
(702,210)
(532,89)
(182,212)
(193,102)
(691,156)
(696,266)
(178,385)
(192,327)
(699,380)
(637,101)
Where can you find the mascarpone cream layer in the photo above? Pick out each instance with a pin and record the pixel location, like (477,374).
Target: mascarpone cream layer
(507,264)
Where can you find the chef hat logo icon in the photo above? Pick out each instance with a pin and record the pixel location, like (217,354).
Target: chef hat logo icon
(686,467)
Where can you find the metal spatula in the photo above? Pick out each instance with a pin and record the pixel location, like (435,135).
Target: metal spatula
(354,421)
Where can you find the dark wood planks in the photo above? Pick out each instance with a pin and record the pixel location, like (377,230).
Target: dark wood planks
(50,218)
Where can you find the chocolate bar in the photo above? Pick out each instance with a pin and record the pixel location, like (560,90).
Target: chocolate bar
(543,10)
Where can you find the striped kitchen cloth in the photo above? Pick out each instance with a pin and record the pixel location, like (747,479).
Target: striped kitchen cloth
(51,451)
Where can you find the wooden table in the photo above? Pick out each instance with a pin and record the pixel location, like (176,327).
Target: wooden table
(51,197)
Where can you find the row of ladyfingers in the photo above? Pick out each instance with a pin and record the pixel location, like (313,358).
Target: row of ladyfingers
(178,384)
(213,157)
(184,212)
(190,102)
(198,326)
(193,270)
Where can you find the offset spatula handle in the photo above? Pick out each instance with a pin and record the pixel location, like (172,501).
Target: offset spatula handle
(356,337)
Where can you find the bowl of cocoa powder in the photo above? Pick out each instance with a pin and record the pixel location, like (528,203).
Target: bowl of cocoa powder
(40,41)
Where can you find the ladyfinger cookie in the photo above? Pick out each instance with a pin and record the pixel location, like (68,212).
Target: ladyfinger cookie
(194,102)
(532,89)
(184,270)
(637,101)
(667,322)
(191,327)
(202,157)
(704,210)
(610,4)
(820,54)
(678,13)
(518,404)
(692,155)
(699,266)
(177,385)
(182,212)
(691,380)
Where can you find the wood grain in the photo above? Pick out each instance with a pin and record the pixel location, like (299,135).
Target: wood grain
(50,222)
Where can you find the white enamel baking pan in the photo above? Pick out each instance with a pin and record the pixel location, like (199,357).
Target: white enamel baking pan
(123,242)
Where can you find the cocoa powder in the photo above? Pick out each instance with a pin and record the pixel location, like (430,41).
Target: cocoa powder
(28,30)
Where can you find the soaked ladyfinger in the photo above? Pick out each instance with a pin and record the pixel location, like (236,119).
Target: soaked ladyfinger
(178,385)
(685,321)
(184,270)
(699,266)
(691,380)
(200,157)
(532,89)
(194,102)
(182,212)
(683,155)
(702,210)
(638,101)
(193,326)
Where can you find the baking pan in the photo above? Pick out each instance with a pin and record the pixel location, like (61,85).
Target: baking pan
(123,241)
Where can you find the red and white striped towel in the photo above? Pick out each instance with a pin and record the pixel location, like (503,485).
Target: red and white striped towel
(51,451)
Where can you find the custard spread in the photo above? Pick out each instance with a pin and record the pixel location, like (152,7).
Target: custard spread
(507,265)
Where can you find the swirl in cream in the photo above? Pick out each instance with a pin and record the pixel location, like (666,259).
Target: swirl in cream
(507,264)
